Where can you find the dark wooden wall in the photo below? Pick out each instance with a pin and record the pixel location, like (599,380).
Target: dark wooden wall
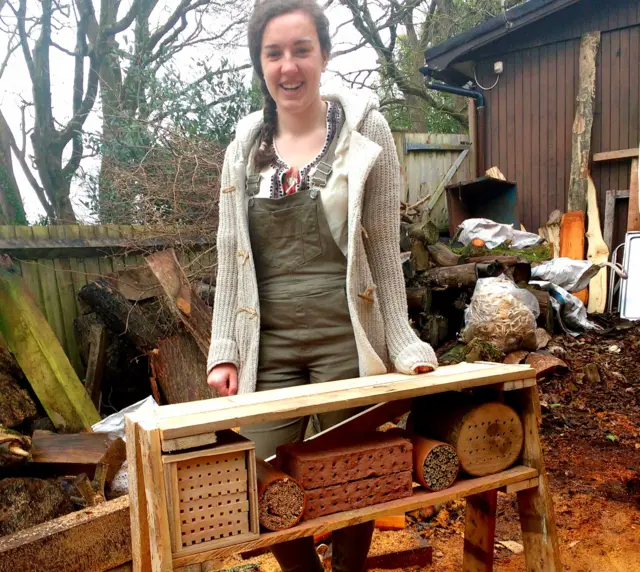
(530,113)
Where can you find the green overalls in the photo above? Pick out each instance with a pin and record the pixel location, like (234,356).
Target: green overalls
(306,335)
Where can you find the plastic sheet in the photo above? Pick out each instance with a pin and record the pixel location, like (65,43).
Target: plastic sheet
(502,314)
(495,233)
(572,275)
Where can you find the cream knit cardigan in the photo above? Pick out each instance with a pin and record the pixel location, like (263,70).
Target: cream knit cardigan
(384,338)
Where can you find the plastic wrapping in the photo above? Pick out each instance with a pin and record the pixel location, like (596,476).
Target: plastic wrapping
(570,310)
(572,275)
(495,233)
(502,314)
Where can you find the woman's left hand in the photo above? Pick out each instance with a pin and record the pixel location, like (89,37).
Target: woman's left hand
(422,369)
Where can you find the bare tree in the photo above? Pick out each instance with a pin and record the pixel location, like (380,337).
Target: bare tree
(99,67)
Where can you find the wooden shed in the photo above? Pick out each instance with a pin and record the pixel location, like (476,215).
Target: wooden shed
(529,113)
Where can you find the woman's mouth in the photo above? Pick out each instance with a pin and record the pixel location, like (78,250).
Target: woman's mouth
(291,86)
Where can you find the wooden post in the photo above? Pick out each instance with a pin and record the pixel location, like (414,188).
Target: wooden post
(583,122)
(535,505)
(633,218)
(597,252)
(479,532)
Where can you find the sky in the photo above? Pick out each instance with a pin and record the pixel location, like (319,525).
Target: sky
(15,86)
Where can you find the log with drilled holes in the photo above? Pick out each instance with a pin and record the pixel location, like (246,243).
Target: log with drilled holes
(487,437)
(281,500)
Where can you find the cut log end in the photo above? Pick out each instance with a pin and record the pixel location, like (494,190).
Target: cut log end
(281,505)
(441,467)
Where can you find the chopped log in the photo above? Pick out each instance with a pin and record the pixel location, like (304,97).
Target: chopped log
(26,502)
(583,122)
(443,255)
(419,299)
(420,556)
(90,496)
(180,369)
(572,242)
(183,299)
(495,173)
(597,252)
(419,256)
(546,364)
(461,276)
(546,318)
(281,500)
(504,260)
(14,448)
(95,364)
(32,341)
(121,316)
(435,330)
(78,453)
(136,284)
(90,540)
(551,232)
(425,232)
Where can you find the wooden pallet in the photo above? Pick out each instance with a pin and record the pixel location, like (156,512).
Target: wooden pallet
(388,394)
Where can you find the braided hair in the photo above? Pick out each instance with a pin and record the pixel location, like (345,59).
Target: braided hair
(264,12)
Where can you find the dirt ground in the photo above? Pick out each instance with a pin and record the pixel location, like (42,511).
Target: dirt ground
(591,439)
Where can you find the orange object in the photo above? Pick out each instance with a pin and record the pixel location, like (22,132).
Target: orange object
(478,242)
(393,522)
(572,242)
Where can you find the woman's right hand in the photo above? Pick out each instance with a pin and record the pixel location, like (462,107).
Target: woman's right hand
(224,379)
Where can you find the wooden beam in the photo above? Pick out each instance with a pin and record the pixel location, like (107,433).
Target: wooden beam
(583,122)
(236,411)
(479,532)
(90,540)
(27,249)
(572,242)
(318,526)
(36,348)
(633,218)
(597,252)
(615,155)
(610,213)
(447,179)
(95,362)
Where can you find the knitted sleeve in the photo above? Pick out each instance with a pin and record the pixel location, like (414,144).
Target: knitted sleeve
(223,348)
(381,223)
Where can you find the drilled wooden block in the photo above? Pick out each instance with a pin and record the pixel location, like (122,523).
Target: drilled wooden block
(212,495)
(371,455)
(357,494)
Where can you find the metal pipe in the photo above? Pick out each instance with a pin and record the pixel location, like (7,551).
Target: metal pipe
(446,88)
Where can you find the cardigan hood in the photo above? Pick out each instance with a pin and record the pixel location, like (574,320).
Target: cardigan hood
(356,106)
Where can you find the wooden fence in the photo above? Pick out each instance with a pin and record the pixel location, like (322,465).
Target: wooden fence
(56,261)
(429,162)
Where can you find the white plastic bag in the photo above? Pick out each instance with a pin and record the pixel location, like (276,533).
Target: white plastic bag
(572,275)
(495,233)
(502,314)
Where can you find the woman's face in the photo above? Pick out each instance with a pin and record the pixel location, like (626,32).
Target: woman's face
(292,61)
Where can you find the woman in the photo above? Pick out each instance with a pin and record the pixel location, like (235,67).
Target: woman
(309,285)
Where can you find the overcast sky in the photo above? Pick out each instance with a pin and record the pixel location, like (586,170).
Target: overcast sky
(16,87)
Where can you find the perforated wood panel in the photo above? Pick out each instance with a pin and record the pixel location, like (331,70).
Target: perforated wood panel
(212,496)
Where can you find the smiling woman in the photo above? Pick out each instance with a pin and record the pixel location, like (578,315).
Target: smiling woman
(310,287)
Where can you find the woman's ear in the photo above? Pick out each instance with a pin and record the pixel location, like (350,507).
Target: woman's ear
(325,61)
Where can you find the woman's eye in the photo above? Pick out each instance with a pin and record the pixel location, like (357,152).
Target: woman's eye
(302,51)
(272,55)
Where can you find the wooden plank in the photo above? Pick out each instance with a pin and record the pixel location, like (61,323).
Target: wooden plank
(92,267)
(78,269)
(156,495)
(140,547)
(227,412)
(105,262)
(435,196)
(190,442)
(409,147)
(597,252)
(479,532)
(633,218)
(67,298)
(609,215)
(583,122)
(539,534)
(572,241)
(41,357)
(254,517)
(173,503)
(30,268)
(44,246)
(91,540)
(322,525)
(521,486)
(95,362)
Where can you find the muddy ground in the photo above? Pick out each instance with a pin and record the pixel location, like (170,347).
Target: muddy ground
(591,439)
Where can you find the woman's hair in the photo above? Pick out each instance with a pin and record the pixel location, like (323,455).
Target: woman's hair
(265,11)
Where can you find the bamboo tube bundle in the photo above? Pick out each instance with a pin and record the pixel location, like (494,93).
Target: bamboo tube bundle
(435,464)
(281,500)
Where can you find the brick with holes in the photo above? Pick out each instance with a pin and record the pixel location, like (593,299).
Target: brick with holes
(367,455)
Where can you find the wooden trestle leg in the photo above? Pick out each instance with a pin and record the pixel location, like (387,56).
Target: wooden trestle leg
(479,532)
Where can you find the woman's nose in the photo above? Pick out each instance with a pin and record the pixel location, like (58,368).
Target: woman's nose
(289,65)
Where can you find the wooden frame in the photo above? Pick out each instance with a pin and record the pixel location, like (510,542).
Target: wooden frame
(390,394)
